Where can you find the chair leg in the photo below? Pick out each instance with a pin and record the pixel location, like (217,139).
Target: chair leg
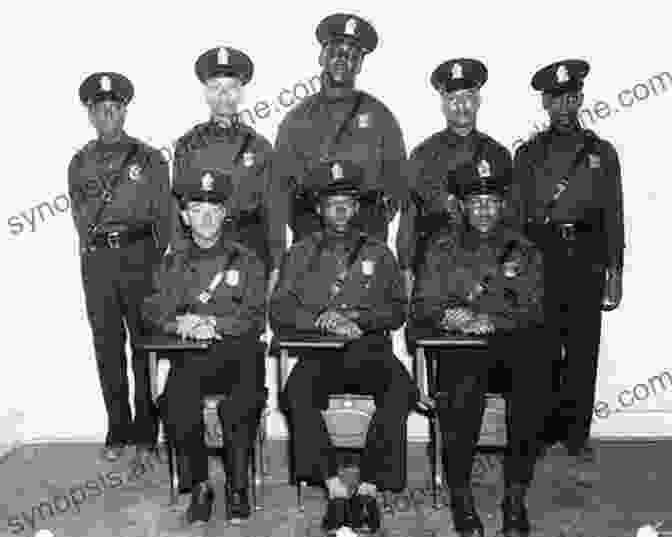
(299,495)
(438,475)
(432,458)
(259,471)
(172,471)
(253,476)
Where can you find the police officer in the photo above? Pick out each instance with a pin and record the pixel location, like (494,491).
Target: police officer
(226,145)
(213,290)
(341,122)
(570,196)
(343,282)
(486,279)
(441,163)
(121,206)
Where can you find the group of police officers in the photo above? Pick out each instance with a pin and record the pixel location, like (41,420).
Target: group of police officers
(486,245)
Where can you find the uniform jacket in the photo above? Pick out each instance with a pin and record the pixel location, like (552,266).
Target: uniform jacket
(594,193)
(238,302)
(373,287)
(457,262)
(247,157)
(433,174)
(142,195)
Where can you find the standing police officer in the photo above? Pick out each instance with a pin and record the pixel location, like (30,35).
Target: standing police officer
(121,206)
(570,197)
(340,281)
(214,289)
(486,279)
(225,145)
(441,164)
(342,123)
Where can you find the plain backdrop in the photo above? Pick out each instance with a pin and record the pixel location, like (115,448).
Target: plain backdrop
(48,382)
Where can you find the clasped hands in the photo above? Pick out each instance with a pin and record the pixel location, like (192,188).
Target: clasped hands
(338,323)
(466,322)
(200,327)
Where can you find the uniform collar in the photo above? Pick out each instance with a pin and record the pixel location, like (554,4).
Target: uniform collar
(123,142)
(222,247)
(473,239)
(449,137)
(333,241)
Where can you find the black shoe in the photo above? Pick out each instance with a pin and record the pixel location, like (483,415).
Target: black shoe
(465,518)
(365,513)
(202,502)
(238,505)
(113,452)
(337,515)
(515,521)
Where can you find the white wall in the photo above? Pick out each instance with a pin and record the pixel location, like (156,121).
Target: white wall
(48,382)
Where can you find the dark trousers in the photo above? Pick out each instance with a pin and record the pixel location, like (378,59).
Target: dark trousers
(574,285)
(368,367)
(463,377)
(233,367)
(371,219)
(116,281)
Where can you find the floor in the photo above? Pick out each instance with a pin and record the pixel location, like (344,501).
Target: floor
(63,488)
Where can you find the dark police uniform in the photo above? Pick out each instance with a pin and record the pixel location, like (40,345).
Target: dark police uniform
(355,274)
(498,274)
(356,128)
(239,151)
(441,164)
(226,282)
(570,198)
(121,206)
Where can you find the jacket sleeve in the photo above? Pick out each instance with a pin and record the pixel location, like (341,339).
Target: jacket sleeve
(162,203)
(522,176)
(613,224)
(161,308)
(249,316)
(390,314)
(393,160)
(277,213)
(288,311)
(437,286)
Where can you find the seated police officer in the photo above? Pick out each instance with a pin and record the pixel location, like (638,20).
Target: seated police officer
(486,280)
(213,290)
(342,282)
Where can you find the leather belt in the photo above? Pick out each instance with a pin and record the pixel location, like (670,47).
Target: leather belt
(119,239)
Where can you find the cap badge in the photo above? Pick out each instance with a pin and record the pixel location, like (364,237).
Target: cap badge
(594,161)
(223,56)
(561,74)
(207,182)
(484,169)
(336,172)
(134,172)
(350,27)
(248,159)
(105,83)
(456,71)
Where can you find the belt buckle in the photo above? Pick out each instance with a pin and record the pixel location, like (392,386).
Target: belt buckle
(113,239)
(568,232)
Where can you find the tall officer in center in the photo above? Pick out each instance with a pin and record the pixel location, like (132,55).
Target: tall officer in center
(341,122)
(441,164)
(569,195)
(341,281)
(121,206)
(224,144)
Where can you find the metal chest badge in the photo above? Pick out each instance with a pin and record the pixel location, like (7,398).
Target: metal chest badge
(248,159)
(511,268)
(364,121)
(134,172)
(232,277)
(594,161)
(368,266)
(207,182)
